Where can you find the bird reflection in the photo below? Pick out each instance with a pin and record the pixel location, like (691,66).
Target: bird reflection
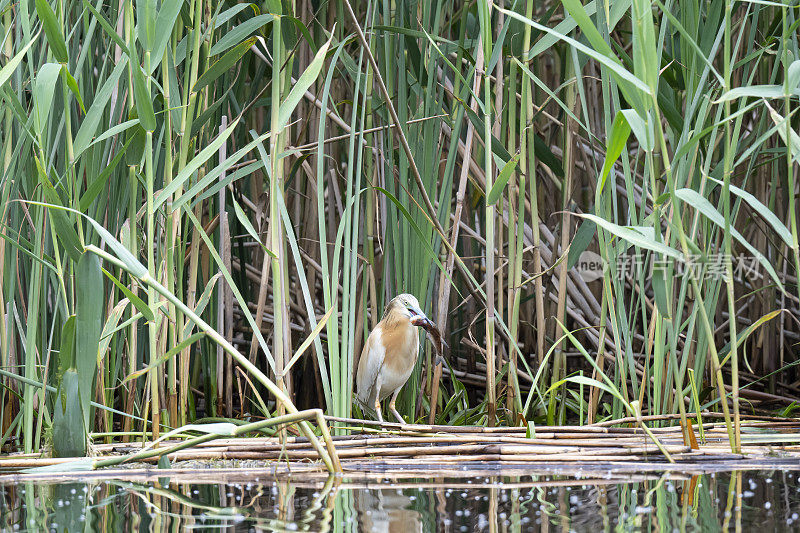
(386,510)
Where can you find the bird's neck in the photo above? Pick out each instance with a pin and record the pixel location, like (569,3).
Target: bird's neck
(394,317)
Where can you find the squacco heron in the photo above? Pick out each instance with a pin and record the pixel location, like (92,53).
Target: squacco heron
(389,355)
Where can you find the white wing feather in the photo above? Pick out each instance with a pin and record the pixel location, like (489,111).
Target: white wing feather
(369,365)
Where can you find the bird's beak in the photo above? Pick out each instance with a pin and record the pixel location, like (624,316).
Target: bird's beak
(418,318)
(418,313)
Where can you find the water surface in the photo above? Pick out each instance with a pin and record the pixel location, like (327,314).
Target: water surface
(596,500)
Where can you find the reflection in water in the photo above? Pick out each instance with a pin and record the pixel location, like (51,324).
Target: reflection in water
(734,501)
(387,510)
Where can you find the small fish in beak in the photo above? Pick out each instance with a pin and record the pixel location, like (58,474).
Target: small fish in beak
(432,333)
(421,321)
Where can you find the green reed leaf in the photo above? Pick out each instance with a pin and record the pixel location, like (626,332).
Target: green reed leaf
(52,30)
(699,202)
(97,109)
(44,88)
(499,185)
(146,23)
(88,324)
(8,69)
(635,235)
(138,303)
(617,139)
(66,353)
(165,22)
(223,64)
(142,99)
(73,87)
(69,433)
(107,27)
(239,33)
(779,227)
(308,77)
(205,154)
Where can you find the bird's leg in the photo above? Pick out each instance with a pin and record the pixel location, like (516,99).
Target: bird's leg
(378,409)
(393,409)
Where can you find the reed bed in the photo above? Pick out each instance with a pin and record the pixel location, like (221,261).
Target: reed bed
(206,206)
(417,449)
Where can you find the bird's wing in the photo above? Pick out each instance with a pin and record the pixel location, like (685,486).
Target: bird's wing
(369,365)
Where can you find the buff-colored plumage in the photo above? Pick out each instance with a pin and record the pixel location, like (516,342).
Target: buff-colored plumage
(389,355)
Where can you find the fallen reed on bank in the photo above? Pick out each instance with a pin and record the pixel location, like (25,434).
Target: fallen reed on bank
(207,205)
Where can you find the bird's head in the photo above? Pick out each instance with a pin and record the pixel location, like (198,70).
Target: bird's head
(408,305)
